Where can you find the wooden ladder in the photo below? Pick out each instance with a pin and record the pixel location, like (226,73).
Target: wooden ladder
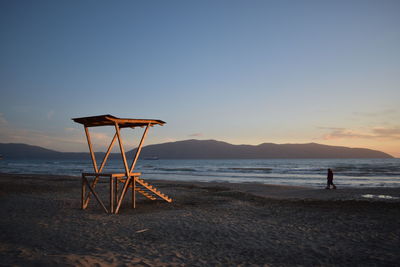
(148,190)
(151,189)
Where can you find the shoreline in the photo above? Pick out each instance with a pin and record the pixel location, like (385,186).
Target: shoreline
(206,224)
(322,185)
(269,191)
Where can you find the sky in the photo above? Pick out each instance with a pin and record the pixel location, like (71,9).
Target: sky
(243,72)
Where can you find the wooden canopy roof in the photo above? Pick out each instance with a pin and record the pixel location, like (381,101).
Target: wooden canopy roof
(104,120)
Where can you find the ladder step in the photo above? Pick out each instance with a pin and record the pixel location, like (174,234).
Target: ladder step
(146,195)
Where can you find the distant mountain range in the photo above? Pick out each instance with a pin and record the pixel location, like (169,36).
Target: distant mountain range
(203,149)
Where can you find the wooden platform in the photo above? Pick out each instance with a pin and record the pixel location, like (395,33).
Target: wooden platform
(109,120)
(101,174)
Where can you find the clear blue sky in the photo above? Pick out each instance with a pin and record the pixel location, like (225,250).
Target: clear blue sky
(244,72)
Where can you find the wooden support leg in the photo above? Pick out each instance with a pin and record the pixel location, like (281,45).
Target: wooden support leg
(83,193)
(111,194)
(133,193)
(139,148)
(94,162)
(116,190)
(121,197)
(127,172)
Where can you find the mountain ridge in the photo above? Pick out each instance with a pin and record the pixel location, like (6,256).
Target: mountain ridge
(213,149)
(203,149)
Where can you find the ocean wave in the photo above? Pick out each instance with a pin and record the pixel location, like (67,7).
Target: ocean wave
(248,169)
(147,166)
(176,169)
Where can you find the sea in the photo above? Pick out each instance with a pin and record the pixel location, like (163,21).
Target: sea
(296,172)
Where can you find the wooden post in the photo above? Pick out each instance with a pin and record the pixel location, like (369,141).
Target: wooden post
(111,194)
(91,149)
(86,203)
(127,173)
(133,192)
(83,193)
(116,190)
(139,149)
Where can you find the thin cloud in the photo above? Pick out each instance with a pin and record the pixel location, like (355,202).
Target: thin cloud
(387,132)
(3,120)
(70,129)
(195,135)
(50,114)
(331,128)
(374,133)
(346,134)
(167,140)
(375,114)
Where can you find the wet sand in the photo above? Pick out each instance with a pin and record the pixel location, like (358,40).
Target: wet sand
(208,224)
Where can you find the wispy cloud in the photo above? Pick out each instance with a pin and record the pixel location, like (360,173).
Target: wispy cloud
(373,133)
(345,134)
(3,120)
(331,128)
(195,135)
(70,129)
(101,138)
(375,114)
(387,132)
(50,114)
(167,140)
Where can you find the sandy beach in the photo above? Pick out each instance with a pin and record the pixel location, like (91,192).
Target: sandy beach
(208,224)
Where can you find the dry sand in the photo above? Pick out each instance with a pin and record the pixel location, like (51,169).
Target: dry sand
(208,224)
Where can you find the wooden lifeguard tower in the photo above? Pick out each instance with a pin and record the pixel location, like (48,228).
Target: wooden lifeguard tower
(129,178)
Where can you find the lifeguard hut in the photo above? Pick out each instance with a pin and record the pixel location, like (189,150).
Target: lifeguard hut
(129,178)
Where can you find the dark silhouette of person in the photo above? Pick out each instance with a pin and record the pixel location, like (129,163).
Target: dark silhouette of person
(330,180)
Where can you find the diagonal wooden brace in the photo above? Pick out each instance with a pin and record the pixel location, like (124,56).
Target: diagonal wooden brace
(87,199)
(94,193)
(139,149)
(127,172)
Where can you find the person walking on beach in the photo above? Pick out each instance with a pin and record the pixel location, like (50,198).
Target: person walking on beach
(330,180)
